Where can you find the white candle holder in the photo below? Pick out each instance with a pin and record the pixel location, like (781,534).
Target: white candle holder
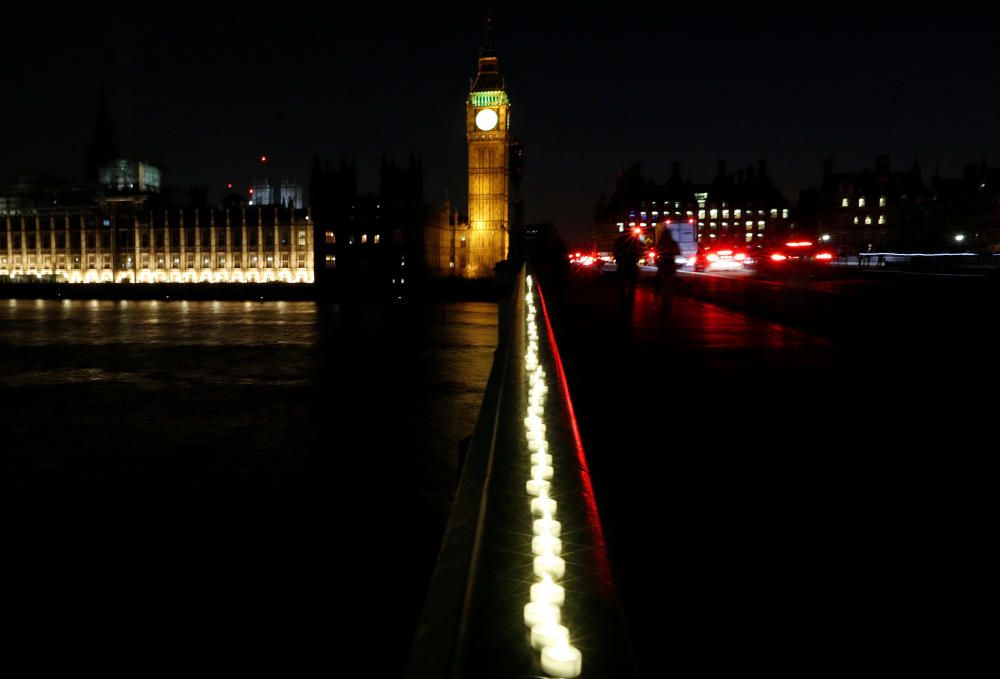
(541,614)
(538,487)
(537,445)
(546,544)
(543,459)
(549,635)
(543,472)
(550,565)
(547,526)
(548,592)
(541,506)
(562,661)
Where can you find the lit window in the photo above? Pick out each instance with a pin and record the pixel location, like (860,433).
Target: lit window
(760,224)
(331,262)
(749,237)
(856,220)
(861,202)
(881,201)
(621,229)
(844,203)
(364,238)
(714,213)
(881,219)
(774,214)
(749,226)
(784,214)
(737,213)
(725,214)
(701,214)
(378,237)
(714,225)
(868,220)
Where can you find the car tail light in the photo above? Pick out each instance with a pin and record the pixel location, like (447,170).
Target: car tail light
(799,244)
(824,255)
(739,257)
(778,257)
(712,257)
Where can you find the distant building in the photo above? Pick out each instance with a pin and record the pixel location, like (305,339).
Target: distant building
(130,176)
(261,193)
(291,194)
(744,207)
(373,242)
(966,211)
(870,210)
(115,241)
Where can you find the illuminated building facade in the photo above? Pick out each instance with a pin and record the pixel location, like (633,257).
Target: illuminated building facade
(488,135)
(121,245)
(742,207)
(870,210)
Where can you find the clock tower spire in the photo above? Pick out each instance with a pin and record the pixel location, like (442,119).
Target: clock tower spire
(488,136)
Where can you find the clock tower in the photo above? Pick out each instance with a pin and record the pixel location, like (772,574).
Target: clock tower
(487,124)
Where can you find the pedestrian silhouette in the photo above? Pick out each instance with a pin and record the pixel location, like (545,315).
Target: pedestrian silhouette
(667,252)
(627,253)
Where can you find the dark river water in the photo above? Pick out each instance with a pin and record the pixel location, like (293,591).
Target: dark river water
(265,473)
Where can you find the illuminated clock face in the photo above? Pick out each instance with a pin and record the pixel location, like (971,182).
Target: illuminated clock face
(486,119)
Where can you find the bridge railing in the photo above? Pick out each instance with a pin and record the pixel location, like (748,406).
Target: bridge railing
(522,587)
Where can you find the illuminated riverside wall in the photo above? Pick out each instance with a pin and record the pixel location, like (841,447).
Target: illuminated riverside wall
(196,245)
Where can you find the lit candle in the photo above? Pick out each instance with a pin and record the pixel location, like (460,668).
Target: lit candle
(542,472)
(551,565)
(546,544)
(538,487)
(547,526)
(543,505)
(548,592)
(538,445)
(543,459)
(549,635)
(540,614)
(562,660)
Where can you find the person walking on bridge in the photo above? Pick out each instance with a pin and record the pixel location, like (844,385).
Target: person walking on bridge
(667,251)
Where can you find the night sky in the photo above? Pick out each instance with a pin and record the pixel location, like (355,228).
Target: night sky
(205,88)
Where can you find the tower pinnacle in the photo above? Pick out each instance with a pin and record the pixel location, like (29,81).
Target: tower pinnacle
(488,76)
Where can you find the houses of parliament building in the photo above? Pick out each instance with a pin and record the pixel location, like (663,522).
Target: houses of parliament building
(177,245)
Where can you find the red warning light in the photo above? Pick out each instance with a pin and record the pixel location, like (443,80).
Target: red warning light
(251,190)
(263,159)
(229,185)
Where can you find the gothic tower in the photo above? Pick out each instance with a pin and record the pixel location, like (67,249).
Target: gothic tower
(488,133)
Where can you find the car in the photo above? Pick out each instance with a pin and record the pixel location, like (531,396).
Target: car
(720,257)
(802,257)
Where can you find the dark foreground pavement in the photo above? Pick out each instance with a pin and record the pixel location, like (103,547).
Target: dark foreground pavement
(780,502)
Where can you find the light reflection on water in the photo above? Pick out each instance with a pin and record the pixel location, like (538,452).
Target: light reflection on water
(169,371)
(237,436)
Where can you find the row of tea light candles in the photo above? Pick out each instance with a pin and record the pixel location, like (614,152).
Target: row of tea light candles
(543,614)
